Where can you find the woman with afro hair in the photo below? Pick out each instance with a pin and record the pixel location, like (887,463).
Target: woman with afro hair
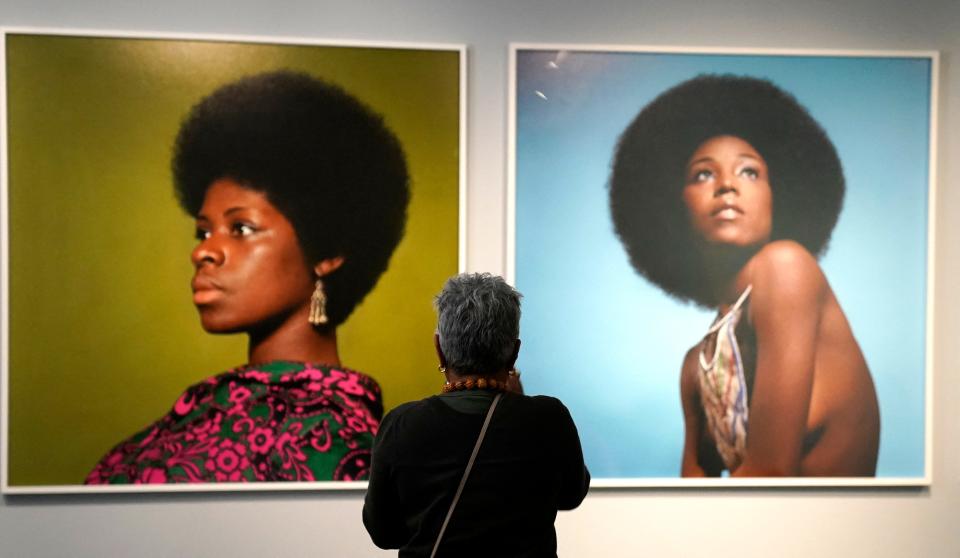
(299,193)
(724,192)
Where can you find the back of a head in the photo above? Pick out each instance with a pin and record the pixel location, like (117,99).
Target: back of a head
(478,322)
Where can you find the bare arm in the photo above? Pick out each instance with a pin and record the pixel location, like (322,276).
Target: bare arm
(789,290)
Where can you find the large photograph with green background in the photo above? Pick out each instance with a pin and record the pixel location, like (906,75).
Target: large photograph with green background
(102,336)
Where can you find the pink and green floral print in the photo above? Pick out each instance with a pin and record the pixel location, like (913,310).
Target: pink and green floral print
(281,421)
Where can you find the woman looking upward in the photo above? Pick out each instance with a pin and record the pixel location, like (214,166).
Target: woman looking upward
(724,192)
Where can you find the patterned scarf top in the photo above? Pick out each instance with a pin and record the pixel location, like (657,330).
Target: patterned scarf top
(723,386)
(281,421)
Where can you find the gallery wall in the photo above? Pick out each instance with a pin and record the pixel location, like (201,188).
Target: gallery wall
(662,522)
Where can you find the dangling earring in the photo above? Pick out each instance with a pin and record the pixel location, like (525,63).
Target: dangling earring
(318,305)
(442,369)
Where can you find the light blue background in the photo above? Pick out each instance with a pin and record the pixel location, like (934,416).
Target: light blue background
(609,344)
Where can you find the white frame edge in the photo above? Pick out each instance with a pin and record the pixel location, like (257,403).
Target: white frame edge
(4,271)
(931,263)
(462,218)
(510,250)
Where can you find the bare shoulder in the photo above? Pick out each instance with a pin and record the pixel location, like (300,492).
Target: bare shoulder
(692,357)
(689,379)
(783,267)
(782,255)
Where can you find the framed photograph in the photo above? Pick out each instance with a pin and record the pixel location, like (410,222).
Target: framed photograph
(726,257)
(132,165)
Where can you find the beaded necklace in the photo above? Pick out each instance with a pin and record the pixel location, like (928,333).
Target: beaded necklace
(479,383)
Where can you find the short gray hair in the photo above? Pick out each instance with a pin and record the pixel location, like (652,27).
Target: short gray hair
(478,321)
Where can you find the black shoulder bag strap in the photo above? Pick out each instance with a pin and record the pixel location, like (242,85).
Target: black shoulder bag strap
(466,473)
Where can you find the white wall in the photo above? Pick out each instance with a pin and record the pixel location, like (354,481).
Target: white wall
(662,523)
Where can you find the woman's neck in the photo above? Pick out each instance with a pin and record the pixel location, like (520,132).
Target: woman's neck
(294,339)
(723,267)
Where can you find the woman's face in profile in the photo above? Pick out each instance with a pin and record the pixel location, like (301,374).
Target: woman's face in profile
(727,193)
(250,269)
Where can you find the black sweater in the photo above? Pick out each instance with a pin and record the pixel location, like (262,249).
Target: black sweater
(529,466)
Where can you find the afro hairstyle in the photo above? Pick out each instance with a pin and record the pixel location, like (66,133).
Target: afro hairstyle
(322,158)
(649,167)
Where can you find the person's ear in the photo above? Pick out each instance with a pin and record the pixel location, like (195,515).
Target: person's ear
(440,356)
(328,266)
(515,354)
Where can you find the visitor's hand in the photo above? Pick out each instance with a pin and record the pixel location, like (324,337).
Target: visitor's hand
(513,381)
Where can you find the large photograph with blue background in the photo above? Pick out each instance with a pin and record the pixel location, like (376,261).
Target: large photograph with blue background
(609,343)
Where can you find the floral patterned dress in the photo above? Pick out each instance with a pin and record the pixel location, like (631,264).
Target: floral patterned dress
(724,388)
(281,421)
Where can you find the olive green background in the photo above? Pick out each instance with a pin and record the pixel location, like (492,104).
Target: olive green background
(103,335)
